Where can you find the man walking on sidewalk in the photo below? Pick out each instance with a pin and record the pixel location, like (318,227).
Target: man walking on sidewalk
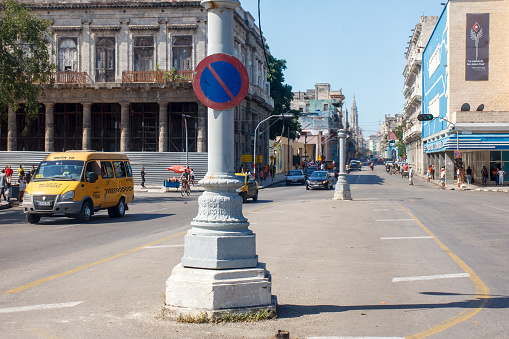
(143,177)
(3,183)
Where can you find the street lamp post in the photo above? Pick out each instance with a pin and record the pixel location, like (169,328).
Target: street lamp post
(342,190)
(279,116)
(185,116)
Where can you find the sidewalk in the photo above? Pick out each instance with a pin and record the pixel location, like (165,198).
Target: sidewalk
(466,187)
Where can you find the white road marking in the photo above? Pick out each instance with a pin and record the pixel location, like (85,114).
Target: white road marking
(355,337)
(497,208)
(39,307)
(388,209)
(67,226)
(263,212)
(432,277)
(163,246)
(357,179)
(403,238)
(395,220)
(384,203)
(161,209)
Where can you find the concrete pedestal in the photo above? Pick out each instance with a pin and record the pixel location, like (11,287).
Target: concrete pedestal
(342,191)
(193,291)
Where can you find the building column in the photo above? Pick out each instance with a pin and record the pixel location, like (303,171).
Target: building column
(12,132)
(124,127)
(202,128)
(49,136)
(163,127)
(87,126)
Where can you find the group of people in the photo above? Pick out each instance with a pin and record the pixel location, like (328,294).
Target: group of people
(467,175)
(7,180)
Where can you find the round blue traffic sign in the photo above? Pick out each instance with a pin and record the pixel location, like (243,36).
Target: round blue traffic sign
(221,81)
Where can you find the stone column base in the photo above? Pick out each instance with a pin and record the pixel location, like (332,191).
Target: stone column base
(342,192)
(193,291)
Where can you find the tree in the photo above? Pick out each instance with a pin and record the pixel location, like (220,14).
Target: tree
(25,65)
(283,96)
(398,131)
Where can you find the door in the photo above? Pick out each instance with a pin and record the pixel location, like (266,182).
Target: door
(93,190)
(109,185)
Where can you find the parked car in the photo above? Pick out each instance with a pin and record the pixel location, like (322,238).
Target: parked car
(319,179)
(355,165)
(250,187)
(295,177)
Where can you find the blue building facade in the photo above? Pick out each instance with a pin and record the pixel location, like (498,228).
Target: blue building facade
(465,91)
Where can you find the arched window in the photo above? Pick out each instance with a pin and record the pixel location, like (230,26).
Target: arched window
(105,60)
(67,55)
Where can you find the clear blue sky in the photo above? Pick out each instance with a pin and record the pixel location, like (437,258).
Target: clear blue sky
(356,45)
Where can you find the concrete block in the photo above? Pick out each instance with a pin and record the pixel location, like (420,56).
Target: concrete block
(190,291)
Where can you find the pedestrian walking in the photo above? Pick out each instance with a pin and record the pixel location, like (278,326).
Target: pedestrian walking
(433,172)
(442,177)
(143,177)
(495,175)
(411,175)
(429,174)
(469,175)
(484,173)
(22,186)
(3,183)
(501,174)
(20,169)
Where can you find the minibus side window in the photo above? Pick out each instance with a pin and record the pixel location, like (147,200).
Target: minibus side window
(88,169)
(119,168)
(128,170)
(106,170)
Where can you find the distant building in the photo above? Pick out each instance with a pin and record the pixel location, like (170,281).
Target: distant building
(321,125)
(465,82)
(124,79)
(413,91)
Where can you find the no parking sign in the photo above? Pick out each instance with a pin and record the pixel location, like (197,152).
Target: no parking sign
(221,81)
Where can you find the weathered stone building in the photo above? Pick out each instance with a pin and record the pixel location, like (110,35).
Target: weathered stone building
(124,80)
(413,91)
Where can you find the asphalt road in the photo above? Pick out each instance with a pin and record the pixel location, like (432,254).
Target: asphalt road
(397,261)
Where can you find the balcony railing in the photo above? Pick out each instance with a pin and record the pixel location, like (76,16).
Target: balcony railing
(70,77)
(157,76)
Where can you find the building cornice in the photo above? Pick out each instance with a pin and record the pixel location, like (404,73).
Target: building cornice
(61,5)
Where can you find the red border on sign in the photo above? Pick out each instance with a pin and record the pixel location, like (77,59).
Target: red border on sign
(244,88)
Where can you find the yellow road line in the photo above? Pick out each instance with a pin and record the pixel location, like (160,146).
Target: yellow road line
(53,277)
(482,292)
(40,333)
(261,208)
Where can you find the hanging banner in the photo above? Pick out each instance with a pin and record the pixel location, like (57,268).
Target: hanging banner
(477,47)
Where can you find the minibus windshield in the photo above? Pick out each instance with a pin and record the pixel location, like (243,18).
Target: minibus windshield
(59,170)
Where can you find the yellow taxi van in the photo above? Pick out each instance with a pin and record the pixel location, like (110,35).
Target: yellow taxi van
(77,184)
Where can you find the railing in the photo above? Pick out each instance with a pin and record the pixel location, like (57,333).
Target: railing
(70,77)
(157,76)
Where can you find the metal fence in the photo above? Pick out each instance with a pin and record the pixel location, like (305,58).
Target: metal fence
(156,164)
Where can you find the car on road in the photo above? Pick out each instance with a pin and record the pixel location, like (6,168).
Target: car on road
(249,189)
(295,177)
(319,179)
(355,165)
(309,171)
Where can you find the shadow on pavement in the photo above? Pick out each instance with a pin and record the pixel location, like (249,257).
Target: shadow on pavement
(370,179)
(295,311)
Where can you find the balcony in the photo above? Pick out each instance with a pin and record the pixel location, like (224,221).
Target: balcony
(157,76)
(413,133)
(79,78)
